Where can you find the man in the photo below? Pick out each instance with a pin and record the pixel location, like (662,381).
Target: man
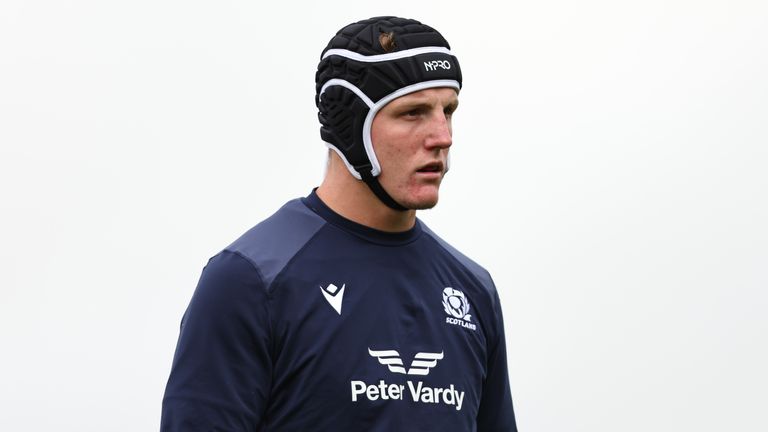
(343,311)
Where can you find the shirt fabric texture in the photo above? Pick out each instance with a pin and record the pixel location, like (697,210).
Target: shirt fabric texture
(312,322)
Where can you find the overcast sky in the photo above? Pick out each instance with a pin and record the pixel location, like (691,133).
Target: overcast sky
(608,168)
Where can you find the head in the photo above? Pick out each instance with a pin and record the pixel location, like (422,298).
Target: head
(386,89)
(411,137)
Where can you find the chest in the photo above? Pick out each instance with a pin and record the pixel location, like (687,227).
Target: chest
(388,332)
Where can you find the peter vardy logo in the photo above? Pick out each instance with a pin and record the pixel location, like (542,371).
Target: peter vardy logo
(416,391)
(456,306)
(334,295)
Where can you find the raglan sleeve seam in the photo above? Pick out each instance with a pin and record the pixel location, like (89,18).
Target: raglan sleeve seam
(267,294)
(208,386)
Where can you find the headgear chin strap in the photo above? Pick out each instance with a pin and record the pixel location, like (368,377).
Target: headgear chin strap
(356,77)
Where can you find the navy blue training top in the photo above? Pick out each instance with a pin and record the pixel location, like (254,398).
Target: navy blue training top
(311,322)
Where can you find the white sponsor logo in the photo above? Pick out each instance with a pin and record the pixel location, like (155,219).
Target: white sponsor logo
(456,306)
(413,391)
(420,365)
(417,392)
(334,295)
(434,64)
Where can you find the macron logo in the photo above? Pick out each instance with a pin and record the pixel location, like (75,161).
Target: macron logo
(334,295)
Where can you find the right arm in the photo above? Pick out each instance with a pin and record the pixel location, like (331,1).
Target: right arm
(221,373)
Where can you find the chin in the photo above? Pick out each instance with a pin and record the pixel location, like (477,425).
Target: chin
(423,205)
(422,201)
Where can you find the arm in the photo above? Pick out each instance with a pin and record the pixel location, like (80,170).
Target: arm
(496,412)
(221,372)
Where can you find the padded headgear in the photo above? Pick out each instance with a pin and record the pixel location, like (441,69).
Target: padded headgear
(356,77)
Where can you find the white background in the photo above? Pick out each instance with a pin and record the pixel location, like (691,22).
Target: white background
(609,169)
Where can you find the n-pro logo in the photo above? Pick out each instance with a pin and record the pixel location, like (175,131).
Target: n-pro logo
(456,306)
(433,65)
(416,392)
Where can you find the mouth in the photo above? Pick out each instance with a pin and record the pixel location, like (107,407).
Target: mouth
(431,168)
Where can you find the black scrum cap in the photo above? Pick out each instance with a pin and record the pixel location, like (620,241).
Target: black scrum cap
(356,77)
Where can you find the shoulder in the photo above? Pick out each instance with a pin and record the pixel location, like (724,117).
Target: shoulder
(482,291)
(271,244)
(478,271)
(485,296)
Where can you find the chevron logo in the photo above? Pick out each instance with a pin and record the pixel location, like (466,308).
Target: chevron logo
(421,364)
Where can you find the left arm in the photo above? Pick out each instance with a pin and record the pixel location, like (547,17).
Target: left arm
(496,412)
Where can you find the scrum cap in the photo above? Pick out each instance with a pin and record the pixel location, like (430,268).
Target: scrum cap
(357,76)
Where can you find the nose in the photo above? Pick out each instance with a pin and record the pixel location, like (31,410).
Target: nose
(440,135)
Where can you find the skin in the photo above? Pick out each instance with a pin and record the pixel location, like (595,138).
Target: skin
(411,137)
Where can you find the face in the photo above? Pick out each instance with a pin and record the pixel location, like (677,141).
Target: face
(411,136)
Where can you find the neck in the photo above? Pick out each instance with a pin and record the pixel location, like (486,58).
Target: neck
(352,199)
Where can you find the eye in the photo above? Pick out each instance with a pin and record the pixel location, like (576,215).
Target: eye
(412,113)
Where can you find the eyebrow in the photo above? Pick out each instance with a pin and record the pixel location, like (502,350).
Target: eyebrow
(425,103)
